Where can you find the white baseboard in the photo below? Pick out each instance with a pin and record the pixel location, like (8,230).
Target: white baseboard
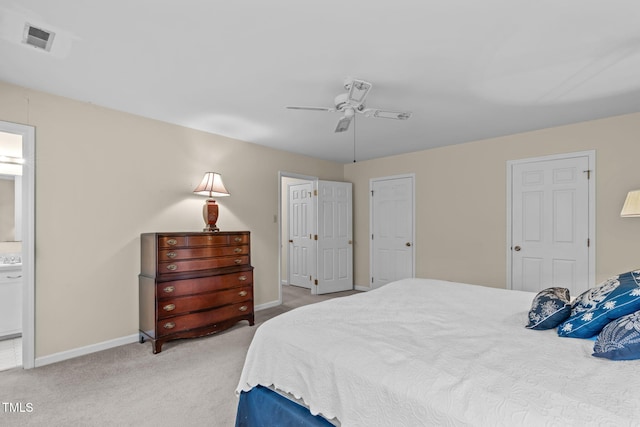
(266,305)
(81,351)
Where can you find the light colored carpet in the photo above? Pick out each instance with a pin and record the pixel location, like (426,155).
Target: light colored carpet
(190,383)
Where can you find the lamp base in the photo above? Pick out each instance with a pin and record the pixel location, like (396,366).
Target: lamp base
(210,215)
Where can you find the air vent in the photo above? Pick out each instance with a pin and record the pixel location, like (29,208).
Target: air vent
(37,37)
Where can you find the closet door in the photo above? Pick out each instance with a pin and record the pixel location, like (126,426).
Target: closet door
(550,224)
(335,237)
(392,229)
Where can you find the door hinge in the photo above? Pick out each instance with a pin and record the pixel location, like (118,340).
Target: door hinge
(588,172)
(371,193)
(315,282)
(588,242)
(315,237)
(315,192)
(371,236)
(372,280)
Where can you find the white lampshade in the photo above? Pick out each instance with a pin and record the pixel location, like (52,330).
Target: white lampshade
(211,186)
(631,206)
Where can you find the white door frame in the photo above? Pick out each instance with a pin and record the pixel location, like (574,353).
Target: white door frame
(591,155)
(412,176)
(28,238)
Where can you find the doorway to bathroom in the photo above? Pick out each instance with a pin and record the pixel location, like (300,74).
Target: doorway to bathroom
(17,218)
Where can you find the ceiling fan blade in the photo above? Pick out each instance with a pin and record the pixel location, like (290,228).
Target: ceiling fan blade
(358,91)
(343,124)
(295,107)
(397,115)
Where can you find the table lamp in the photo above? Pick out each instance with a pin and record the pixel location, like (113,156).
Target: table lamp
(211,186)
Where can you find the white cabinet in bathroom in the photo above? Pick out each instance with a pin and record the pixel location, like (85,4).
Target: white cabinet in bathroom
(10,300)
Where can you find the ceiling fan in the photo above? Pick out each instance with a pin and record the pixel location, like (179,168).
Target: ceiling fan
(352,102)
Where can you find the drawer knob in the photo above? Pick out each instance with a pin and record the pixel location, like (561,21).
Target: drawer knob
(171,254)
(169,289)
(238,261)
(237,239)
(242,278)
(169,307)
(237,250)
(172,267)
(172,242)
(243,308)
(242,293)
(169,325)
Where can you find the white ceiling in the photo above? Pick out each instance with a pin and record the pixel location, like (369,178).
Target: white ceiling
(467,69)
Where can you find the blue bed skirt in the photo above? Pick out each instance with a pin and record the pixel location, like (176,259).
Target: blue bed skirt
(262,407)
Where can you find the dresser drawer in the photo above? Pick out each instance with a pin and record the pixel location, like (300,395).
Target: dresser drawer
(200,264)
(177,241)
(175,306)
(203,252)
(204,318)
(183,287)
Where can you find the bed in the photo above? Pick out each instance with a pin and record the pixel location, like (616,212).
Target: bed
(428,352)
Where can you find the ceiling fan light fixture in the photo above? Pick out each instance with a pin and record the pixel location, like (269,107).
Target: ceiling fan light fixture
(349,112)
(341,101)
(352,102)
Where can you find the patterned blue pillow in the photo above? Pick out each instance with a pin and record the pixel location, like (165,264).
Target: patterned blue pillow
(596,307)
(550,307)
(620,339)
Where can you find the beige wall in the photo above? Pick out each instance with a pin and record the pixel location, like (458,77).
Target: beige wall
(102,178)
(461,199)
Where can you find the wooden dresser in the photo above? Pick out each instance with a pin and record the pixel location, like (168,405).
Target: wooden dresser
(193,284)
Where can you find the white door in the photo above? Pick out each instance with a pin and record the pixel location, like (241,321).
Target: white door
(550,224)
(392,229)
(335,234)
(301,230)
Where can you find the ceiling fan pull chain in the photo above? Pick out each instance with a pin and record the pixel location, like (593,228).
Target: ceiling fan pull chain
(354,140)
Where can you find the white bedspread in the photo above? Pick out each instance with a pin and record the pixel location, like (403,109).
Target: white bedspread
(432,353)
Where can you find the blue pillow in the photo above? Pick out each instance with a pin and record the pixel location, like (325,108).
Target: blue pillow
(620,339)
(596,307)
(550,307)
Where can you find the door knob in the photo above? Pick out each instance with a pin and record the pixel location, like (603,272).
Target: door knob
(517,248)
(407,244)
